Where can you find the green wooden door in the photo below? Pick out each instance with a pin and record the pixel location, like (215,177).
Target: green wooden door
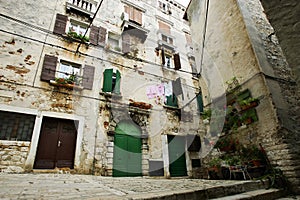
(127,150)
(176,146)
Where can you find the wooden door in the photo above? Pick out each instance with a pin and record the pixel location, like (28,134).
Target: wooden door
(127,151)
(177,161)
(57,144)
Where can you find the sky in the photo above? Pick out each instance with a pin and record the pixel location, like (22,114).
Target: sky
(184,2)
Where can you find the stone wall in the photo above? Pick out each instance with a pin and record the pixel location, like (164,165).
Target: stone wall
(284,17)
(13,155)
(283,88)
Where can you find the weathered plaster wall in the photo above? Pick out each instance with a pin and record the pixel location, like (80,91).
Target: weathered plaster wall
(28,37)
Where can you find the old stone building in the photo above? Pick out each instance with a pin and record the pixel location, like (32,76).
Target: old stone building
(238,54)
(100,87)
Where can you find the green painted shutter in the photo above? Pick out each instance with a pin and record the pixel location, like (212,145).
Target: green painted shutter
(172,101)
(200,102)
(118,81)
(107,80)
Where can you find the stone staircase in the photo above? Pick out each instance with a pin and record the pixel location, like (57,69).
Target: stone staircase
(250,190)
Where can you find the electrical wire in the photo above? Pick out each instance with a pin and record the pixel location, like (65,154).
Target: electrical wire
(204,37)
(72,51)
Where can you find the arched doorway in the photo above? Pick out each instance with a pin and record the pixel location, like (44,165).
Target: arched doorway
(127,159)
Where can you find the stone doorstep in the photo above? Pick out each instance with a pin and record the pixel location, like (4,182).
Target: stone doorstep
(53,171)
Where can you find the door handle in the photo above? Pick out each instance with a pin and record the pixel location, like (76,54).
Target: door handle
(59,143)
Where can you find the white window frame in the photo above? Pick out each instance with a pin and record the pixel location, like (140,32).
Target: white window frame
(79,27)
(65,69)
(169,61)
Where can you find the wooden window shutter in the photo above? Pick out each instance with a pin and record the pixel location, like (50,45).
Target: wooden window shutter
(102,35)
(200,102)
(118,83)
(49,68)
(60,24)
(188,38)
(177,61)
(107,80)
(125,43)
(163,59)
(88,77)
(138,16)
(94,35)
(130,12)
(165,28)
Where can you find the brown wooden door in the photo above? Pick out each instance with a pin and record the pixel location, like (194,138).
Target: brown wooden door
(57,144)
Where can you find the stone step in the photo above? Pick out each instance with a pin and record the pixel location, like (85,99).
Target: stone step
(254,190)
(261,194)
(53,171)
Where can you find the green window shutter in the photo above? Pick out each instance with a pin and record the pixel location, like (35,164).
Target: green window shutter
(200,102)
(172,101)
(107,80)
(118,81)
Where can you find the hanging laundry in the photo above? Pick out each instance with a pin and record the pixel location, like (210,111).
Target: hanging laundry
(168,88)
(177,89)
(151,91)
(160,90)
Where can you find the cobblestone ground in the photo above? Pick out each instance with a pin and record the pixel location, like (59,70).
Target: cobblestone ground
(69,186)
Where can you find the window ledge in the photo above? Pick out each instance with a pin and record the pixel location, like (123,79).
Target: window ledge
(68,86)
(171,107)
(110,95)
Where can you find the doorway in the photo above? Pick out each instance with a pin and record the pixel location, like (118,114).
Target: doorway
(127,150)
(177,160)
(57,143)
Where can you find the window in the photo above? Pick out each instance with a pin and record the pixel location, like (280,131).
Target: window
(165,8)
(77,27)
(134,14)
(96,35)
(65,69)
(111,81)
(113,41)
(167,39)
(172,101)
(170,60)
(16,126)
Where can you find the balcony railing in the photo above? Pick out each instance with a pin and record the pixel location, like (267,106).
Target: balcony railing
(85,6)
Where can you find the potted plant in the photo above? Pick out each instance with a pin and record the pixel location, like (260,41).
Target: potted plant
(72,82)
(248,103)
(227,143)
(73,35)
(253,156)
